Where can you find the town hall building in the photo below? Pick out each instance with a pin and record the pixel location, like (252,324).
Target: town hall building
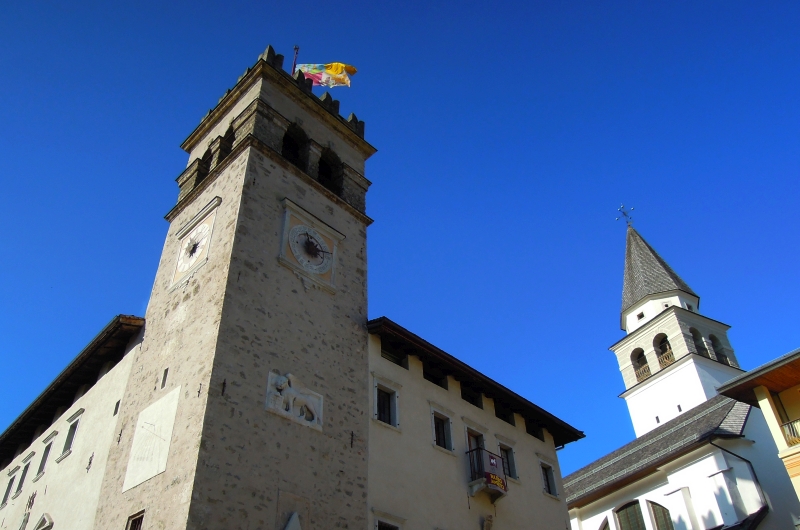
(255,393)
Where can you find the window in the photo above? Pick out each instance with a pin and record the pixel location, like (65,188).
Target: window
(509,467)
(387,526)
(440,432)
(434,375)
(474,443)
(629,517)
(330,172)
(73,428)
(661,517)
(699,345)
(503,412)
(640,316)
(116,408)
(657,420)
(385,401)
(689,307)
(22,479)
(533,428)
(400,359)
(471,396)
(680,409)
(43,461)
(662,345)
(8,490)
(605,526)
(295,146)
(719,351)
(548,479)
(640,367)
(135,521)
(164,377)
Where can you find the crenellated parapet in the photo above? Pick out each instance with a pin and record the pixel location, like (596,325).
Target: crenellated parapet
(280,112)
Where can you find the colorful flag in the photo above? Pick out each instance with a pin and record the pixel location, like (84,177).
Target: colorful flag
(328,75)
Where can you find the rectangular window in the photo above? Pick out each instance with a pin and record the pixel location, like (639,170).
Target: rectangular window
(135,521)
(387,526)
(503,412)
(509,466)
(385,407)
(73,427)
(8,490)
(534,429)
(22,479)
(400,359)
(43,461)
(116,408)
(434,375)
(471,396)
(548,480)
(441,431)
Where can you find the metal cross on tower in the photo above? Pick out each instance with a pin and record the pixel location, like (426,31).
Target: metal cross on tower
(626,214)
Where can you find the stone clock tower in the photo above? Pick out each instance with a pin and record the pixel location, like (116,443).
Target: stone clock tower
(246,405)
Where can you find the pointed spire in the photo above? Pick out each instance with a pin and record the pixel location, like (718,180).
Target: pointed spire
(646,272)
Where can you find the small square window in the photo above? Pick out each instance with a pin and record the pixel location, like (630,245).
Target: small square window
(534,429)
(640,316)
(503,412)
(471,396)
(689,307)
(434,375)
(509,466)
(548,479)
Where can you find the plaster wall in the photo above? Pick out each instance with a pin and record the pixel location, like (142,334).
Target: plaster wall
(411,479)
(653,306)
(69,489)
(790,399)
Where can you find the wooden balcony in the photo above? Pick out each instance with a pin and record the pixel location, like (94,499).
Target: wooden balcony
(791,431)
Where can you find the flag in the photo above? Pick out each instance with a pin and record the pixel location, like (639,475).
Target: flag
(328,75)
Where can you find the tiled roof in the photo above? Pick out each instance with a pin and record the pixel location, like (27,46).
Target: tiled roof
(718,417)
(646,272)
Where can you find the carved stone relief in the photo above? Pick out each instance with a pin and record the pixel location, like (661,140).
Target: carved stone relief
(288,397)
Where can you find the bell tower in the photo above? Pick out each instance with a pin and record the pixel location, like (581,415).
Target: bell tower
(246,406)
(673,358)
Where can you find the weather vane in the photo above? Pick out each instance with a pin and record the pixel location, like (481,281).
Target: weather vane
(626,214)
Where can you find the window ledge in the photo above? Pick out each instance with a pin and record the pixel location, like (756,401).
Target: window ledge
(63,456)
(16,494)
(384,424)
(546,494)
(37,477)
(450,452)
(3,505)
(515,480)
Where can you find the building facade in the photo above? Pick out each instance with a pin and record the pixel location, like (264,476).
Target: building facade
(775,389)
(701,460)
(255,393)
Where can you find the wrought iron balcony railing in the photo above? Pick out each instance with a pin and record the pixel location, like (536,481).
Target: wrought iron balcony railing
(486,471)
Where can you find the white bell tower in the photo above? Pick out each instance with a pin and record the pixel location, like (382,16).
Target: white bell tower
(672,358)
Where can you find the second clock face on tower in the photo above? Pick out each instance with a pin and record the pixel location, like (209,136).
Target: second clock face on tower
(310,249)
(194,243)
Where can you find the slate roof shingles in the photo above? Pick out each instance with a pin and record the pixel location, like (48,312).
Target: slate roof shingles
(717,417)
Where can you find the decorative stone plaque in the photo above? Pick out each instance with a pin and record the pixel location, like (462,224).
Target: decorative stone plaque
(288,397)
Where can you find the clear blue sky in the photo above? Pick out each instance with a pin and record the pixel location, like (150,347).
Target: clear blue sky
(508,134)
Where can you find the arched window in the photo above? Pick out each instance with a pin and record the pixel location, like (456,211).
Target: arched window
(719,350)
(330,171)
(699,345)
(640,367)
(629,517)
(226,145)
(295,146)
(605,525)
(661,517)
(204,167)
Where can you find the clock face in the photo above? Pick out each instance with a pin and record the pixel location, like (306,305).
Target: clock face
(310,249)
(193,246)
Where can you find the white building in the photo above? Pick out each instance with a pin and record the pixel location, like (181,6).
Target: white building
(700,461)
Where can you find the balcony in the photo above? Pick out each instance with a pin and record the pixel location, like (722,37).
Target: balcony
(642,373)
(486,473)
(791,431)
(666,359)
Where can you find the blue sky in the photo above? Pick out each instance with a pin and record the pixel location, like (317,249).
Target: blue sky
(508,134)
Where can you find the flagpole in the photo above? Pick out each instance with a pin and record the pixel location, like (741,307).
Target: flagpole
(294,62)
